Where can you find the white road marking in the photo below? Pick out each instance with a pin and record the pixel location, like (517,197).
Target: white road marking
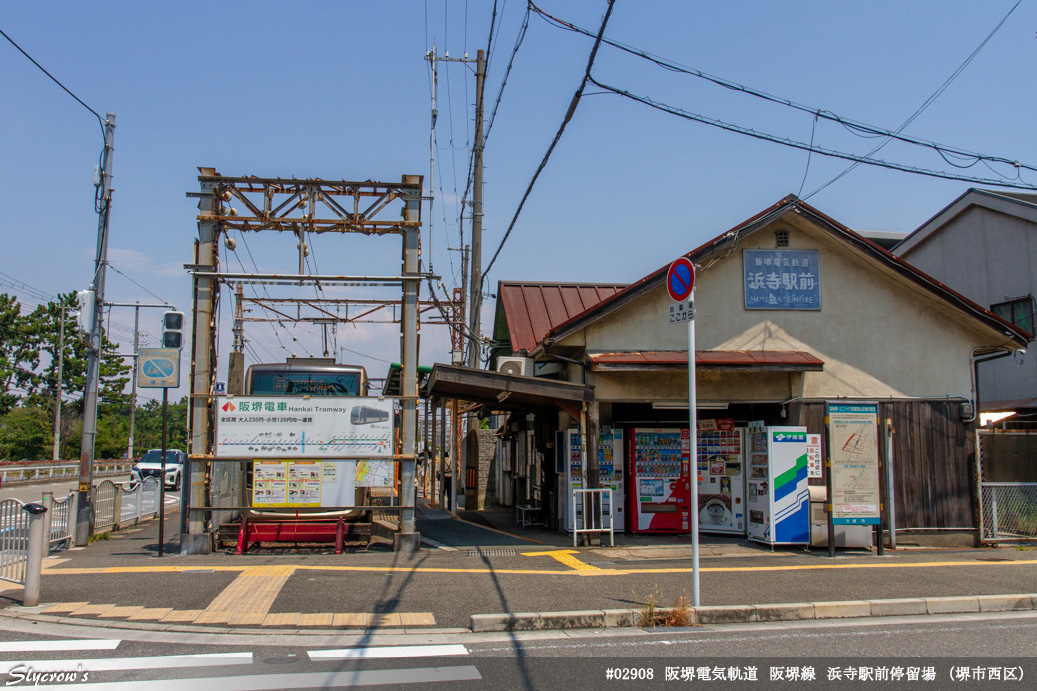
(394,651)
(270,682)
(76,644)
(109,664)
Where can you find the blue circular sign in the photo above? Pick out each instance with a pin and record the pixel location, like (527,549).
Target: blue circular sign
(680,279)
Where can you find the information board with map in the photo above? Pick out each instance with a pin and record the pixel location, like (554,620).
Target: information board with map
(853,431)
(304,483)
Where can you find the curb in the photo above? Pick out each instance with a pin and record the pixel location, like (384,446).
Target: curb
(744,614)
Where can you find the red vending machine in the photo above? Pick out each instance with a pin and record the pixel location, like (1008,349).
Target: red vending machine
(660,480)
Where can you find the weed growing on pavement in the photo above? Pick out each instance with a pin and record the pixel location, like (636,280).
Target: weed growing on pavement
(98,536)
(649,616)
(680,613)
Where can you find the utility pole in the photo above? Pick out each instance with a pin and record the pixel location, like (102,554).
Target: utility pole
(133,394)
(136,363)
(475,296)
(96,342)
(57,397)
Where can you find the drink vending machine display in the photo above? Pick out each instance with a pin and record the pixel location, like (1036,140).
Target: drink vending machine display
(778,501)
(660,480)
(721,478)
(610,473)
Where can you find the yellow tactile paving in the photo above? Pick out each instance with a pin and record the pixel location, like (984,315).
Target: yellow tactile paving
(150,613)
(91,609)
(127,611)
(322,619)
(282,619)
(351,619)
(247,619)
(214,616)
(252,592)
(64,607)
(182,615)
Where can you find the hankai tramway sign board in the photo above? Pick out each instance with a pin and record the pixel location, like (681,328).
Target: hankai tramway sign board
(292,427)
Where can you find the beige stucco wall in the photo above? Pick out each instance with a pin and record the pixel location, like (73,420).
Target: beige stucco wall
(878,335)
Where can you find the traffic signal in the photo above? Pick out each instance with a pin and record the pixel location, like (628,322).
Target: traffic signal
(85,316)
(173,330)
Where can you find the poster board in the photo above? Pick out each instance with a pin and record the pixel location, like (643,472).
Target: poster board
(293,427)
(853,430)
(305,483)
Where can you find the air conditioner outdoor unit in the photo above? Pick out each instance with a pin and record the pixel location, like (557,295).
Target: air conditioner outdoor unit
(515,366)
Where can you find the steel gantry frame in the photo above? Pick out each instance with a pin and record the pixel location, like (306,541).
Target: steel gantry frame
(299,207)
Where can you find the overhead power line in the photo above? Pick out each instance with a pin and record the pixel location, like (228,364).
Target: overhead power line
(673,110)
(854,126)
(565,121)
(54,79)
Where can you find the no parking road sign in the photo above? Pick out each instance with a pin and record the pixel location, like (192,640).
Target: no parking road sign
(680,284)
(680,279)
(158,368)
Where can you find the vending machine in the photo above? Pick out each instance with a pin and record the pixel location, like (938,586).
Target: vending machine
(610,467)
(660,480)
(721,477)
(778,499)
(610,473)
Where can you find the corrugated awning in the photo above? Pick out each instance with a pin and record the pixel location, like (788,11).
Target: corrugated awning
(506,392)
(752,360)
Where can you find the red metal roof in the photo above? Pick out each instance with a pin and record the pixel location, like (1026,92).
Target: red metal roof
(533,309)
(710,359)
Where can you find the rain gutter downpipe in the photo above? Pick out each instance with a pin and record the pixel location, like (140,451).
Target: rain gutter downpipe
(1004,352)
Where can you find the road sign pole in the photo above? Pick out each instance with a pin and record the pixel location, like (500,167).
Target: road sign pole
(680,285)
(693,433)
(162,479)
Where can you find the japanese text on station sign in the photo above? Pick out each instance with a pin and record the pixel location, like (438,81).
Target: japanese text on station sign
(782,279)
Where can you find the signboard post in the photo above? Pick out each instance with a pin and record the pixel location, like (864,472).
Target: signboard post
(160,368)
(853,433)
(680,284)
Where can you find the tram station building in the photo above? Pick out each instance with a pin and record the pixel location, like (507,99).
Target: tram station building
(792,309)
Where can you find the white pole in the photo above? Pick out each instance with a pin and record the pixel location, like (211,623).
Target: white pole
(694,434)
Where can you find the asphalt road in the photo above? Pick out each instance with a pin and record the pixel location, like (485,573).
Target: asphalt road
(124,570)
(893,650)
(34,492)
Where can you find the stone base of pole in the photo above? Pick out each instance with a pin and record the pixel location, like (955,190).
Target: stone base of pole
(406,542)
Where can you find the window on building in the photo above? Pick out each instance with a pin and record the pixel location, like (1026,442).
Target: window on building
(1018,311)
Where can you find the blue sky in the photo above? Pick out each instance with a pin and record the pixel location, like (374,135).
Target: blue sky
(342,91)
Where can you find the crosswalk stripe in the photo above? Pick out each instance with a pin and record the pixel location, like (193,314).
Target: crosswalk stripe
(76,644)
(270,682)
(394,651)
(108,664)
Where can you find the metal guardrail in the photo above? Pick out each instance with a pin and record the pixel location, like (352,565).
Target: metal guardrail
(115,504)
(14,540)
(598,519)
(38,473)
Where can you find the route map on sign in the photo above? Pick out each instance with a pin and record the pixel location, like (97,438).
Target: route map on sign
(855,463)
(279,426)
(374,473)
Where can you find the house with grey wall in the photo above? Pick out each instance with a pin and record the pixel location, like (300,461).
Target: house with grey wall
(983,245)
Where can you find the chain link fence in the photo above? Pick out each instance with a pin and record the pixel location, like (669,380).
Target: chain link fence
(1008,485)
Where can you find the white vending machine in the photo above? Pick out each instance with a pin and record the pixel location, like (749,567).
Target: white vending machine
(610,471)
(778,499)
(721,478)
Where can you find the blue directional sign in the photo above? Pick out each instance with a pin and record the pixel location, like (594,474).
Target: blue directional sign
(158,368)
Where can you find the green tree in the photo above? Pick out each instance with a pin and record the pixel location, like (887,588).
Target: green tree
(19,353)
(45,323)
(26,433)
(148,433)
